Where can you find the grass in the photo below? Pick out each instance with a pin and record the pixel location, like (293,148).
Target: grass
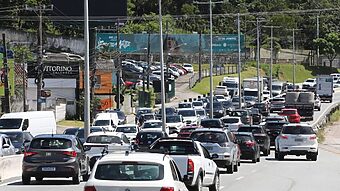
(71,123)
(333,118)
(204,86)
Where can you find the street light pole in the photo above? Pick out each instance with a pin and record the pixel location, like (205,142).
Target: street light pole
(162,67)
(294,64)
(258,59)
(239,60)
(317,36)
(86,71)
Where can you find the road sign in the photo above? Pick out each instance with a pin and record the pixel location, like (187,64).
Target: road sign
(226,43)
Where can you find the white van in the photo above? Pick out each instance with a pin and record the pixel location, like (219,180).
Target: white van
(35,122)
(106,121)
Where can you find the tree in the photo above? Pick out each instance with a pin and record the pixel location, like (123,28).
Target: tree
(276,46)
(329,46)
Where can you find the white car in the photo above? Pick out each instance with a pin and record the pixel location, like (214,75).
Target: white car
(135,171)
(221,90)
(266,94)
(175,122)
(220,98)
(309,83)
(192,159)
(189,68)
(130,130)
(190,116)
(198,104)
(155,125)
(232,123)
(297,139)
(96,142)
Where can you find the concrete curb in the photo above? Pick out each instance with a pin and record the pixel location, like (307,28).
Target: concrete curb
(10,166)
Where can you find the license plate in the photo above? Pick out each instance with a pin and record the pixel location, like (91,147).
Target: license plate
(48,169)
(48,154)
(299,140)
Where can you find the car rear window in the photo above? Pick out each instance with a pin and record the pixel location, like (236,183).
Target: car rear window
(209,137)
(176,147)
(210,123)
(288,112)
(130,171)
(275,125)
(187,130)
(243,138)
(230,120)
(51,143)
(306,130)
(249,129)
(104,139)
(131,129)
(145,137)
(101,122)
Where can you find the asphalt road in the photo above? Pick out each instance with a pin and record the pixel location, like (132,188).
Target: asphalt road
(292,174)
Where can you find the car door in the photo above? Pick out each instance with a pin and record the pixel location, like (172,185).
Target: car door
(209,166)
(177,177)
(234,147)
(82,155)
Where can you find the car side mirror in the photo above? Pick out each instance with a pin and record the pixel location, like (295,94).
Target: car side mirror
(5,146)
(25,125)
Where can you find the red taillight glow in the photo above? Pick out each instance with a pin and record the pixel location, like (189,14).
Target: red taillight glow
(27,154)
(284,137)
(70,153)
(313,137)
(167,189)
(89,188)
(191,166)
(250,143)
(137,141)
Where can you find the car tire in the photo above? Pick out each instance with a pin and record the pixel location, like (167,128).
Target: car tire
(239,163)
(217,183)
(76,178)
(258,159)
(254,160)
(86,176)
(319,109)
(26,180)
(236,167)
(38,178)
(276,155)
(312,157)
(230,169)
(280,156)
(198,186)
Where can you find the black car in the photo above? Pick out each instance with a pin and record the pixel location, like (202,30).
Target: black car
(260,135)
(263,107)
(250,150)
(255,116)
(71,131)
(218,109)
(146,137)
(212,123)
(228,106)
(273,129)
(19,139)
(140,112)
(55,155)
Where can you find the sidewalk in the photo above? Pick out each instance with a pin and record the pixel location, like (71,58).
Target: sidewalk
(332,138)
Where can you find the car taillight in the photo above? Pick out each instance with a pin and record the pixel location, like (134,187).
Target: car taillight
(191,166)
(89,188)
(284,137)
(27,154)
(250,143)
(137,141)
(70,153)
(167,189)
(313,137)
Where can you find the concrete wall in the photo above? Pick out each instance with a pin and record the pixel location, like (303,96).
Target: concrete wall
(10,166)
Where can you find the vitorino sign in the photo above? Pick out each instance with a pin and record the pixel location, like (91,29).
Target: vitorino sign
(55,70)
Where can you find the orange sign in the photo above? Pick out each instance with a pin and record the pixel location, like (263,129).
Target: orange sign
(105,104)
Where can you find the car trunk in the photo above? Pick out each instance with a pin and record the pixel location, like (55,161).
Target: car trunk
(49,156)
(104,185)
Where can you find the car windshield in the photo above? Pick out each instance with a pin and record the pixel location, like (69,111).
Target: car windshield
(148,137)
(289,112)
(187,130)
(210,123)
(80,133)
(274,125)
(200,112)
(176,147)
(187,113)
(230,120)
(170,111)
(173,119)
(16,137)
(310,81)
(152,124)
(130,171)
(184,105)
(221,87)
(276,87)
(238,113)
(71,131)
(197,103)
(249,98)
(131,129)
(10,123)
(187,65)
(274,119)
(51,143)
(143,111)
(306,130)
(249,129)
(227,103)
(148,117)
(104,139)
(236,99)
(230,85)
(217,105)
(121,115)
(101,122)
(209,137)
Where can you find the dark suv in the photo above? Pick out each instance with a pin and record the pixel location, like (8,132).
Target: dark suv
(260,135)
(55,156)
(273,129)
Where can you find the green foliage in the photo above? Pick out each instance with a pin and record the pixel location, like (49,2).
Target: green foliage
(22,54)
(329,46)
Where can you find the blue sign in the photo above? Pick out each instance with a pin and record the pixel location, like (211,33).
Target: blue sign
(178,43)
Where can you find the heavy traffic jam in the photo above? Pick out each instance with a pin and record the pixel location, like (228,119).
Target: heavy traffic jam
(195,148)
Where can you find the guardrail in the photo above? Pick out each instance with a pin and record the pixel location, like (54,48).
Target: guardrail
(324,118)
(10,166)
(217,71)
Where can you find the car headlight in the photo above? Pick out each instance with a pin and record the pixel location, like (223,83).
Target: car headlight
(220,111)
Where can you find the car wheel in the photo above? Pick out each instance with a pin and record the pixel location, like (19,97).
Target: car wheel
(216,185)
(236,167)
(230,169)
(276,155)
(267,152)
(258,159)
(87,173)
(280,155)
(319,109)
(26,180)
(76,178)
(254,160)
(39,179)
(238,163)
(313,157)
(198,186)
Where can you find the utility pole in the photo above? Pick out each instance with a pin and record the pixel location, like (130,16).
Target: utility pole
(87,101)
(119,68)
(162,67)
(148,57)
(200,56)
(40,67)
(294,60)
(258,58)
(211,52)
(317,36)
(271,57)
(5,80)
(239,60)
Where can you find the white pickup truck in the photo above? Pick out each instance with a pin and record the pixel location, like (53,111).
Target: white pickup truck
(193,160)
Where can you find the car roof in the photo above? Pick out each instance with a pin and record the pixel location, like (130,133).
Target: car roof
(251,126)
(64,136)
(134,156)
(106,133)
(230,117)
(243,133)
(127,125)
(149,130)
(153,121)
(209,130)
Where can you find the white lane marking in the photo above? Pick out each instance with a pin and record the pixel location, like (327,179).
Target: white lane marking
(221,187)
(239,178)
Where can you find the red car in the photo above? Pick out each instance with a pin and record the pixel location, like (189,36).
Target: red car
(185,132)
(292,114)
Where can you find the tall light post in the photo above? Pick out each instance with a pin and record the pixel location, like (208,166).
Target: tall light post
(211,52)
(86,71)
(317,36)
(162,67)
(239,60)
